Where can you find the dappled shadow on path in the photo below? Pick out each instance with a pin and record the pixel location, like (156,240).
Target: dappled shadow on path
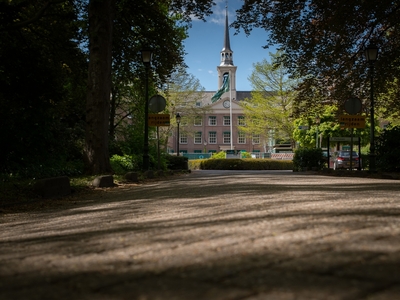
(211,235)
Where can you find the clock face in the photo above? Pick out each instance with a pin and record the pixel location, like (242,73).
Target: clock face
(226,104)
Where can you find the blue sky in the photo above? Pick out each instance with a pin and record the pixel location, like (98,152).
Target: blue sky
(205,42)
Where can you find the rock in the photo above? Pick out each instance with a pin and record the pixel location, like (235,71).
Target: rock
(103,181)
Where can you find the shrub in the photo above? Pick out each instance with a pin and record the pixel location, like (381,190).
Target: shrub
(177,162)
(219,155)
(387,150)
(308,159)
(246,164)
(50,168)
(246,155)
(123,164)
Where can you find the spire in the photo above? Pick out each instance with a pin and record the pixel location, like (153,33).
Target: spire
(227,44)
(226,52)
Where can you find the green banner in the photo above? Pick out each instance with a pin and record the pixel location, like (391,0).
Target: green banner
(224,88)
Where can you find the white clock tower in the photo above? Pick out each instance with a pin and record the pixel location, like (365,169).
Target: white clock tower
(226,66)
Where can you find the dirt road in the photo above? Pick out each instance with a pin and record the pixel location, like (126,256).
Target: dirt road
(210,235)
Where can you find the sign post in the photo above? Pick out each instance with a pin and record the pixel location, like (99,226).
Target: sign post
(159,120)
(352,121)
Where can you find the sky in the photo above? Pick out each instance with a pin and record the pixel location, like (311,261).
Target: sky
(205,42)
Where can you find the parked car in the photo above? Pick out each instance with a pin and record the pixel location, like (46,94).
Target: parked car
(341,160)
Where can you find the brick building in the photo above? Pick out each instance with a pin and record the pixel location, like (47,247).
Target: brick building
(217,129)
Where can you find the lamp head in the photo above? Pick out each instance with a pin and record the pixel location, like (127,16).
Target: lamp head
(147,55)
(371,52)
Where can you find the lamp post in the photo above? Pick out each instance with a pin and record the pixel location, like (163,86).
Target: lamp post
(205,146)
(371,54)
(178,121)
(146,58)
(317,121)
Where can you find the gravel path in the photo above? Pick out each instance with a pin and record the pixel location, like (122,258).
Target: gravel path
(210,235)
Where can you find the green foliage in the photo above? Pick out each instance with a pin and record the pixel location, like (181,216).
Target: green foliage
(219,155)
(123,164)
(245,154)
(387,150)
(329,126)
(177,162)
(42,88)
(246,164)
(194,164)
(268,112)
(309,31)
(310,159)
(50,168)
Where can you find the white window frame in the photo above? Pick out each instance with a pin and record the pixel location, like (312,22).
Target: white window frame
(241,137)
(198,137)
(212,118)
(226,137)
(183,138)
(212,137)
(227,121)
(255,139)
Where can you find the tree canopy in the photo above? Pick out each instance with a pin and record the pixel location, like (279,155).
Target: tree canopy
(269,110)
(324,42)
(50,50)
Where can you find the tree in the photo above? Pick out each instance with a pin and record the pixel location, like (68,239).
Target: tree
(147,33)
(183,92)
(96,156)
(268,112)
(328,126)
(42,85)
(324,44)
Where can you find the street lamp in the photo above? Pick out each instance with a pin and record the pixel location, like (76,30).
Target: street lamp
(205,146)
(178,121)
(371,54)
(317,121)
(146,58)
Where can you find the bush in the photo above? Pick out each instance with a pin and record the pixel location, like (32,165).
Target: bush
(123,164)
(245,155)
(308,159)
(246,164)
(50,168)
(177,162)
(387,150)
(219,155)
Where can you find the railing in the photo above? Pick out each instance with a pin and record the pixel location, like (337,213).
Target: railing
(288,156)
(197,155)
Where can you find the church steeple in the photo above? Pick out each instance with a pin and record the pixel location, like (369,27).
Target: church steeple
(226,52)
(226,65)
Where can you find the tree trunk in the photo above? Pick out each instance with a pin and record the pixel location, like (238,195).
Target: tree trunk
(113,109)
(96,156)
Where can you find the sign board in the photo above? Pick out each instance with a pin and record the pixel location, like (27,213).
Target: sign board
(157,104)
(159,120)
(352,121)
(303,127)
(353,106)
(342,139)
